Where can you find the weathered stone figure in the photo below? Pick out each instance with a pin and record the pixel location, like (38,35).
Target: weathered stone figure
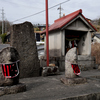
(72,73)
(23,39)
(8,55)
(70,58)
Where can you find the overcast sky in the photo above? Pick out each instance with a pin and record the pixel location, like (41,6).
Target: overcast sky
(16,9)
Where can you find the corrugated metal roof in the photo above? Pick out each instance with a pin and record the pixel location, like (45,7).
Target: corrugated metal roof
(59,23)
(97,35)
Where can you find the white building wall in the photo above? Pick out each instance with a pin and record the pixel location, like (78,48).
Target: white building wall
(84,46)
(54,44)
(96,40)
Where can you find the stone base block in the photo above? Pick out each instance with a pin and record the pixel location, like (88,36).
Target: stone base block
(73,81)
(12,89)
(51,70)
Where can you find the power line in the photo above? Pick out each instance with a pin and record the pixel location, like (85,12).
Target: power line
(20,4)
(41,11)
(29,16)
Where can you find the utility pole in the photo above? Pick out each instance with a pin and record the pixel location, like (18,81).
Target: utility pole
(2,20)
(5,25)
(60,11)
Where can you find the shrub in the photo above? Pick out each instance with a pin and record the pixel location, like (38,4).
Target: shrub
(96,52)
(3,37)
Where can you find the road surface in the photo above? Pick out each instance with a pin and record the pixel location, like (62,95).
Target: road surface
(3,46)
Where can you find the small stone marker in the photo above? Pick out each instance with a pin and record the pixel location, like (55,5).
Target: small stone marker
(23,39)
(71,77)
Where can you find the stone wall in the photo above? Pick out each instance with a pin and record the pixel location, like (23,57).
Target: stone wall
(55,39)
(58,61)
(23,39)
(84,62)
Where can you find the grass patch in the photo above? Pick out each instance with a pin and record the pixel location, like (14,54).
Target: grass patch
(3,37)
(95,51)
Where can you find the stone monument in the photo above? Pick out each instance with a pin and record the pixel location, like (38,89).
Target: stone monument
(9,71)
(8,55)
(71,77)
(23,39)
(70,58)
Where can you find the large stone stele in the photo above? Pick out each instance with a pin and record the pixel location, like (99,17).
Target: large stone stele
(23,39)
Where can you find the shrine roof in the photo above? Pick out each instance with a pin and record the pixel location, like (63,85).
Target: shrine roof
(61,22)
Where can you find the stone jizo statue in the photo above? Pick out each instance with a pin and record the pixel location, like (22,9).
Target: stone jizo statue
(71,66)
(9,69)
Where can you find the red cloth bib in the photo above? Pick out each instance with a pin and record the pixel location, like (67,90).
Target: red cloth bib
(10,70)
(76,69)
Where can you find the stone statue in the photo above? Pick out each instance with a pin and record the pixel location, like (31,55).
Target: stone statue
(70,58)
(72,70)
(8,55)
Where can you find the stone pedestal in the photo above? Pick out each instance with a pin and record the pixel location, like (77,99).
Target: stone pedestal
(73,81)
(12,89)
